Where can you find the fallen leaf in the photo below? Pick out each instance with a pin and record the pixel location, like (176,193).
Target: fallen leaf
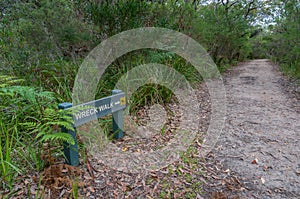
(255,161)
(91,189)
(262,180)
(87,177)
(26,181)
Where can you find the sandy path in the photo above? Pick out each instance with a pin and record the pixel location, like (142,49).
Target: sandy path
(262,123)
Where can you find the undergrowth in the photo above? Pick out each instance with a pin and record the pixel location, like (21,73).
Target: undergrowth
(29,119)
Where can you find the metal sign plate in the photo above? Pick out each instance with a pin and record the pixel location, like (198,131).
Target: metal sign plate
(89,111)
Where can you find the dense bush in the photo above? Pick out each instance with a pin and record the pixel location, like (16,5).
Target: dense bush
(43,41)
(285,46)
(280,41)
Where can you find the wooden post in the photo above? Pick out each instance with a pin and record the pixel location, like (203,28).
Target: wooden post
(70,151)
(117,120)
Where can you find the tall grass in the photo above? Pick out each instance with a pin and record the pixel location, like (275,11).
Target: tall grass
(8,168)
(151,93)
(292,70)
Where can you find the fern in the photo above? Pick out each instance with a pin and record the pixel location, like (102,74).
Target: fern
(5,83)
(23,102)
(6,80)
(35,111)
(51,120)
(59,137)
(30,117)
(29,125)
(28,93)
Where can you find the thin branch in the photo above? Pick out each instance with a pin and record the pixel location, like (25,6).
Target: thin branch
(250,9)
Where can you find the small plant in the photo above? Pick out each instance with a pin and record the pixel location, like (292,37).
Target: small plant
(75,189)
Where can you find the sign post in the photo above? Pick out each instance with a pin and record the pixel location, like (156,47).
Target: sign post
(83,113)
(117,118)
(70,151)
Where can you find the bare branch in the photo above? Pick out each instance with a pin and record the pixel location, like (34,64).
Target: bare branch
(250,9)
(232,4)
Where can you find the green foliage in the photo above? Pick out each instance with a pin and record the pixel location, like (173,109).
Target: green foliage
(224,30)
(52,118)
(30,153)
(75,189)
(24,102)
(114,17)
(7,169)
(148,94)
(48,27)
(6,80)
(44,41)
(280,42)
(287,37)
(29,118)
(35,111)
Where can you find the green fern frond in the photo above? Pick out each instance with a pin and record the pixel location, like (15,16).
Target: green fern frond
(4,93)
(29,125)
(25,92)
(47,95)
(3,85)
(67,118)
(64,124)
(35,103)
(59,137)
(40,134)
(6,80)
(28,93)
(51,113)
(45,128)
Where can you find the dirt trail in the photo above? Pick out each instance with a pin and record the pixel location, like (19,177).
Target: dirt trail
(263,123)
